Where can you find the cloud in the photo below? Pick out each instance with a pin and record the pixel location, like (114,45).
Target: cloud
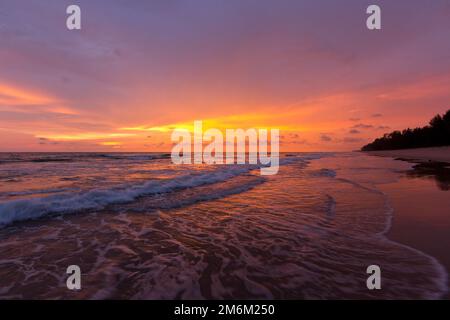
(325,138)
(88,136)
(45,141)
(110,82)
(12,96)
(352,140)
(297,142)
(383,127)
(377,115)
(362,126)
(354,131)
(111,143)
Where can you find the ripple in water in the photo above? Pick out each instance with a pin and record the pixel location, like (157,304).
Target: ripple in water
(307,233)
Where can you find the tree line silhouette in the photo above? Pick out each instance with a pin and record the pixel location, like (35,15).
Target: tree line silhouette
(436,134)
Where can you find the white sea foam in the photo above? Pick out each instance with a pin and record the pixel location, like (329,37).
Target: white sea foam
(18,210)
(95,199)
(440,280)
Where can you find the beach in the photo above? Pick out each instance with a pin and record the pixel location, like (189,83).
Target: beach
(140,227)
(421,202)
(441,154)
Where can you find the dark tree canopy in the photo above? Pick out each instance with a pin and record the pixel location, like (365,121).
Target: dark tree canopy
(436,134)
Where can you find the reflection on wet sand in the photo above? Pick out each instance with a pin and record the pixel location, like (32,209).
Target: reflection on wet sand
(439,171)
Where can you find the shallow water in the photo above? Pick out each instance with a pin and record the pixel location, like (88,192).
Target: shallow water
(140,227)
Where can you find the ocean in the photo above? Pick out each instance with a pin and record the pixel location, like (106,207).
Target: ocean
(141,227)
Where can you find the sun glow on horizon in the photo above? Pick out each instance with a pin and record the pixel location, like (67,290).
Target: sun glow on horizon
(85,136)
(134,85)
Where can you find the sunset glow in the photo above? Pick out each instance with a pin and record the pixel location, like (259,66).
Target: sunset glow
(127,84)
(225,159)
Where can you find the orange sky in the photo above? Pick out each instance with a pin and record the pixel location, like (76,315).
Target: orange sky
(136,72)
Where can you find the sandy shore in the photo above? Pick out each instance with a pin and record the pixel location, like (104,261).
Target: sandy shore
(441,154)
(421,218)
(420,199)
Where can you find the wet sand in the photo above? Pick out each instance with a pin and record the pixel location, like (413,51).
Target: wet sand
(441,154)
(421,202)
(308,232)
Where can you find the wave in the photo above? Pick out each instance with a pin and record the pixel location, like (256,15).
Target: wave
(324,172)
(72,157)
(440,280)
(97,199)
(24,209)
(41,191)
(190,196)
(137,157)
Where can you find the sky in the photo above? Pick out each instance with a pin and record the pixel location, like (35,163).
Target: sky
(138,69)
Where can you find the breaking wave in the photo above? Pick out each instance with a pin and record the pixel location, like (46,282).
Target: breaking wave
(24,209)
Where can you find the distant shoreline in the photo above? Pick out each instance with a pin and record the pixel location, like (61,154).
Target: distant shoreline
(439,154)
